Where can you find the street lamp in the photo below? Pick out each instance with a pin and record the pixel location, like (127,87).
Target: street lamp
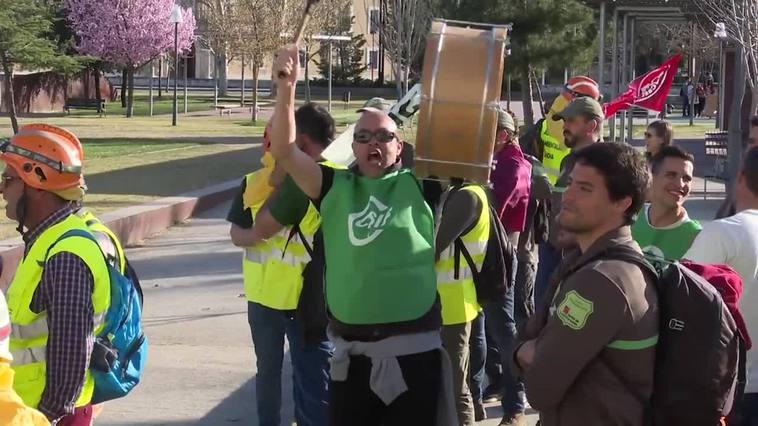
(176,19)
(330,39)
(722,35)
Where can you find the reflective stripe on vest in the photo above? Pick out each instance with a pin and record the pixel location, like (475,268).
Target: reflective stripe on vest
(458,294)
(38,328)
(96,225)
(272,270)
(29,334)
(553,154)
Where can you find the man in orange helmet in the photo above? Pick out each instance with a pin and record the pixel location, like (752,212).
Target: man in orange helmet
(61,289)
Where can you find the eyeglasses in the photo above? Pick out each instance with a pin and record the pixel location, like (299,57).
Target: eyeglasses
(381,135)
(6,179)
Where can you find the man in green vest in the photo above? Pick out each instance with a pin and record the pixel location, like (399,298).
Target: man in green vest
(380,284)
(61,290)
(273,275)
(663,229)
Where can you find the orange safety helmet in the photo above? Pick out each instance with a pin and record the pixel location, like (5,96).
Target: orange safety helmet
(583,86)
(46,157)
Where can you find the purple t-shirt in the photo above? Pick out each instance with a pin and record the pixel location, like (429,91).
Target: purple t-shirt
(511,181)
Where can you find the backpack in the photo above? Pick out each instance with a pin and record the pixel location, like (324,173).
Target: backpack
(311,313)
(120,349)
(699,345)
(498,273)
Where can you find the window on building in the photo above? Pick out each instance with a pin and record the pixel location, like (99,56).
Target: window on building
(372,59)
(373,21)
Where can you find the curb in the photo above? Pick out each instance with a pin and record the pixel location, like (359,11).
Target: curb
(137,223)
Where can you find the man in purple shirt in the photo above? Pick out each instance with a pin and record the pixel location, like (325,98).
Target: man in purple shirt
(511,181)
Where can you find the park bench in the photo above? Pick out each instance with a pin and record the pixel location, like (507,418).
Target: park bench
(225,109)
(716,144)
(81,103)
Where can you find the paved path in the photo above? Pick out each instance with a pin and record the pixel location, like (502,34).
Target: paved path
(201,368)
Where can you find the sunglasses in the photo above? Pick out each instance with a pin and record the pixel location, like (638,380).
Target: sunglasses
(381,135)
(6,179)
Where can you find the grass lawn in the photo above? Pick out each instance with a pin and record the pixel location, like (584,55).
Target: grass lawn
(130,161)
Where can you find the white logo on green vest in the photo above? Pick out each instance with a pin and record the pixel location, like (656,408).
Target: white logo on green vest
(363,227)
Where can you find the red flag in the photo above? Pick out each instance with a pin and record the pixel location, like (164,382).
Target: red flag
(647,91)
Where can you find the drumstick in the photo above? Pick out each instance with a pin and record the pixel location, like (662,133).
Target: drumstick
(301,28)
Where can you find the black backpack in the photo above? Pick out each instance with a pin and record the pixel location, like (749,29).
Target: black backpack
(699,368)
(498,271)
(311,313)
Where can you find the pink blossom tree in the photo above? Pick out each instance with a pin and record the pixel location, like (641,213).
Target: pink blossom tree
(128,33)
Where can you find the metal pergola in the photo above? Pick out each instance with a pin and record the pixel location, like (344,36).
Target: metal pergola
(625,14)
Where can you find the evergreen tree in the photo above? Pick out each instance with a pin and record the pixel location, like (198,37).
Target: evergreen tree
(347,60)
(25,26)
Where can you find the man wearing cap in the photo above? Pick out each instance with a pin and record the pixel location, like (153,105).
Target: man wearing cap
(13,412)
(582,126)
(61,290)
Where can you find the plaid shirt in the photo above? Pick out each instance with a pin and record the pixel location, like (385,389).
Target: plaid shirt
(65,293)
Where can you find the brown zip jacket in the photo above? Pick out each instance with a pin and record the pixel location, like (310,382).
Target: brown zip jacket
(602,321)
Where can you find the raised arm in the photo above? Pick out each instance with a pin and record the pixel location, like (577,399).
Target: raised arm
(301,167)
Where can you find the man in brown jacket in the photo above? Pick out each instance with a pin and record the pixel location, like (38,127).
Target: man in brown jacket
(589,355)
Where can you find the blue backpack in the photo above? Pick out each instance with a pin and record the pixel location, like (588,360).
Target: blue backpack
(120,349)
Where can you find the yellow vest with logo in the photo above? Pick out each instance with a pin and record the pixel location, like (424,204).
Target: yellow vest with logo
(28,343)
(458,294)
(553,154)
(273,269)
(95,224)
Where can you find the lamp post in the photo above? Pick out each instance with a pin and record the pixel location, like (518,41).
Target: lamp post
(176,19)
(721,34)
(329,39)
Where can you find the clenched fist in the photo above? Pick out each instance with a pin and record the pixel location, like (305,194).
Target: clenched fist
(287,65)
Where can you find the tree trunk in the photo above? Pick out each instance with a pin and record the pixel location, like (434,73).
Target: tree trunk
(242,83)
(307,79)
(223,82)
(96,72)
(124,86)
(130,100)
(526,96)
(10,100)
(753,100)
(168,73)
(272,92)
(160,76)
(256,70)
(398,79)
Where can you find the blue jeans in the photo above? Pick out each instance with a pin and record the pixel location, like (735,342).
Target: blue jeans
(477,356)
(549,258)
(500,323)
(310,368)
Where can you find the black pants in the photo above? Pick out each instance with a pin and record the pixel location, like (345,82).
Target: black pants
(746,411)
(352,403)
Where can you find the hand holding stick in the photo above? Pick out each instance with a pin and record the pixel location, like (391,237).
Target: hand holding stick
(301,28)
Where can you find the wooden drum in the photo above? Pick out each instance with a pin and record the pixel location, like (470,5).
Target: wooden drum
(460,91)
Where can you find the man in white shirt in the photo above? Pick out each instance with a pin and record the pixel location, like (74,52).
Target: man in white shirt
(734,241)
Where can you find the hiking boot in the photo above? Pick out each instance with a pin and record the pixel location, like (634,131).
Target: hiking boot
(518,419)
(479,412)
(492,394)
